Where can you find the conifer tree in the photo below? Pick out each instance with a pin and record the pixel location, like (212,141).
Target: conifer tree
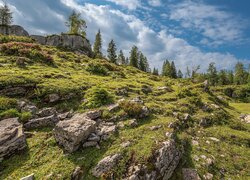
(180,75)
(212,74)
(5,15)
(167,69)
(222,78)
(127,61)
(188,73)
(155,72)
(112,52)
(143,62)
(76,24)
(98,45)
(134,56)
(230,77)
(173,73)
(240,74)
(121,58)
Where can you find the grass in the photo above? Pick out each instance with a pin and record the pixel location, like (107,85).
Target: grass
(241,107)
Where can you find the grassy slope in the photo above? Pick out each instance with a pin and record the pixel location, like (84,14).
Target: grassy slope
(44,158)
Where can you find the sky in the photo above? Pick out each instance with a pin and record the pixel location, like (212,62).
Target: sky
(188,32)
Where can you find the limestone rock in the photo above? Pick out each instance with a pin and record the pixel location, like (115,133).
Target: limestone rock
(113,107)
(46,112)
(49,121)
(133,123)
(54,98)
(12,137)
(106,165)
(73,132)
(39,39)
(94,137)
(208,176)
(146,89)
(29,177)
(13,30)
(30,108)
(77,173)
(154,128)
(94,114)
(89,144)
(190,174)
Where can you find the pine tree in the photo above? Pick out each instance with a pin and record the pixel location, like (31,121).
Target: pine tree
(240,74)
(76,24)
(155,72)
(143,62)
(121,58)
(134,56)
(180,75)
(212,74)
(173,73)
(127,61)
(167,69)
(5,15)
(112,52)
(230,77)
(222,78)
(98,45)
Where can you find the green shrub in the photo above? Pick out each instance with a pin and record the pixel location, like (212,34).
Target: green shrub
(195,101)
(7,103)
(97,69)
(25,116)
(97,97)
(184,93)
(6,39)
(11,113)
(133,109)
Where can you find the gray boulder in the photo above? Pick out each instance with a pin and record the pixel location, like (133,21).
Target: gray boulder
(13,30)
(94,114)
(72,133)
(48,121)
(12,137)
(39,39)
(190,174)
(29,177)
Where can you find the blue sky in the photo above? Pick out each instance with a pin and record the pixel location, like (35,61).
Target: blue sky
(189,32)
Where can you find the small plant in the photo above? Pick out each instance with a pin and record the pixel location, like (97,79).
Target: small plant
(97,69)
(11,113)
(97,97)
(7,103)
(6,39)
(133,109)
(25,116)
(184,93)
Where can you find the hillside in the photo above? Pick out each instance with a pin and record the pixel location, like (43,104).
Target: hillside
(155,127)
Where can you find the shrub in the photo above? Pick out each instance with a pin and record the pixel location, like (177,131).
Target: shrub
(97,69)
(11,113)
(133,109)
(25,116)
(7,103)
(28,50)
(97,97)
(6,39)
(184,93)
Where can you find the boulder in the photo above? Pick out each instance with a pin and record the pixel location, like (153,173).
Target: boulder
(48,121)
(133,123)
(72,133)
(13,30)
(29,108)
(190,174)
(94,114)
(146,89)
(113,107)
(89,144)
(77,174)
(208,176)
(12,137)
(39,39)
(54,98)
(46,112)
(106,165)
(29,177)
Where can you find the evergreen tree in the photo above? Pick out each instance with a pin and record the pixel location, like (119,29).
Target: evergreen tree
(121,58)
(134,56)
(173,73)
(127,61)
(98,45)
(155,72)
(76,24)
(5,15)
(194,71)
(222,78)
(240,74)
(179,74)
(188,73)
(167,69)
(112,52)
(143,63)
(230,77)
(212,74)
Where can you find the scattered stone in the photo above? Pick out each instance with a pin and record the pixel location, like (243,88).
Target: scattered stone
(120,125)
(12,137)
(209,161)
(186,117)
(65,115)
(29,177)
(49,121)
(215,106)
(30,108)
(71,133)
(113,107)
(105,165)
(145,112)
(146,89)
(46,112)
(203,157)
(190,174)
(137,100)
(126,144)
(77,174)
(122,91)
(195,143)
(206,86)
(13,30)
(208,142)
(165,88)
(133,123)
(54,98)
(196,158)
(169,135)
(214,139)
(89,144)
(154,128)
(245,118)
(208,176)
(94,114)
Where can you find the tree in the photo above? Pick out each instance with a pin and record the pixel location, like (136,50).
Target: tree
(240,74)
(212,74)
(155,72)
(143,62)
(121,58)
(194,71)
(5,15)
(230,77)
(76,24)
(166,69)
(179,74)
(127,61)
(98,45)
(173,73)
(188,73)
(222,78)
(134,57)
(112,52)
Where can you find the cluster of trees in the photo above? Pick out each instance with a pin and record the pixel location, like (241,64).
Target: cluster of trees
(5,15)
(76,24)
(169,70)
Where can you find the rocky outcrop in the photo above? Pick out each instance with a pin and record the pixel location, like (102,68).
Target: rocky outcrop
(48,121)
(68,41)
(13,30)
(245,118)
(12,137)
(72,133)
(190,174)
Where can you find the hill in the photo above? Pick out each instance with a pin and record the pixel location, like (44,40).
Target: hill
(152,126)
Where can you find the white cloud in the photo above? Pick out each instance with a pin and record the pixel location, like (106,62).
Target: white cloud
(217,25)
(130,4)
(155,3)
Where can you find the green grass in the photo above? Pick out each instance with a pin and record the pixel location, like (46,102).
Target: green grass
(241,107)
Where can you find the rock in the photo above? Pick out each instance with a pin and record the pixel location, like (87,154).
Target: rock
(204,122)
(206,86)
(66,115)
(195,143)
(137,100)
(77,174)
(214,139)
(39,39)
(54,98)
(13,30)
(186,117)
(46,112)
(215,106)
(49,121)
(196,158)
(126,144)
(94,137)
(190,174)
(146,89)
(209,161)
(154,128)
(108,129)
(122,91)
(120,125)
(73,132)
(94,114)
(29,177)
(30,108)
(169,135)
(21,104)
(20,61)
(89,144)
(166,159)
(106,165)
(12,137)
(208,176)
(14,91)
(113,107)
(246,118)
(145,112)
(132,123)
(165,88)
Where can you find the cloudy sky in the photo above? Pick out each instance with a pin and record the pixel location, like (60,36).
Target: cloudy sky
(189,32)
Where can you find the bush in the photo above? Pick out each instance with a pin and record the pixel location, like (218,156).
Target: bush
(28,50)
(11,113)
(6,39)
(25,116)
(7,103)
(97,97)
(133,109)
(184,93)
(97,69)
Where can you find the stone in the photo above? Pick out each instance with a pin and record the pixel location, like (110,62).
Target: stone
(214,139)
(29,177)
(154,128)
(65,115)
(215,106)
(113,107)
(89,144)
(195,143)
(145,112)
(77,174)
(94,114)
(208,176)
(120,125)
(146,89)
(137,100)
(54,98)
(169,135)
(209,161)
(106,165)
(49,121)
(190,174)
(39,39)
(94,137)
(206,86)
(196,158)
(132,123)
(13,30)
(12,137)
(122,91)
(73,132)
(186,117)
(30,108)
(46,112)
(126,144)
(165,88)
(247,119)
(108,129)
